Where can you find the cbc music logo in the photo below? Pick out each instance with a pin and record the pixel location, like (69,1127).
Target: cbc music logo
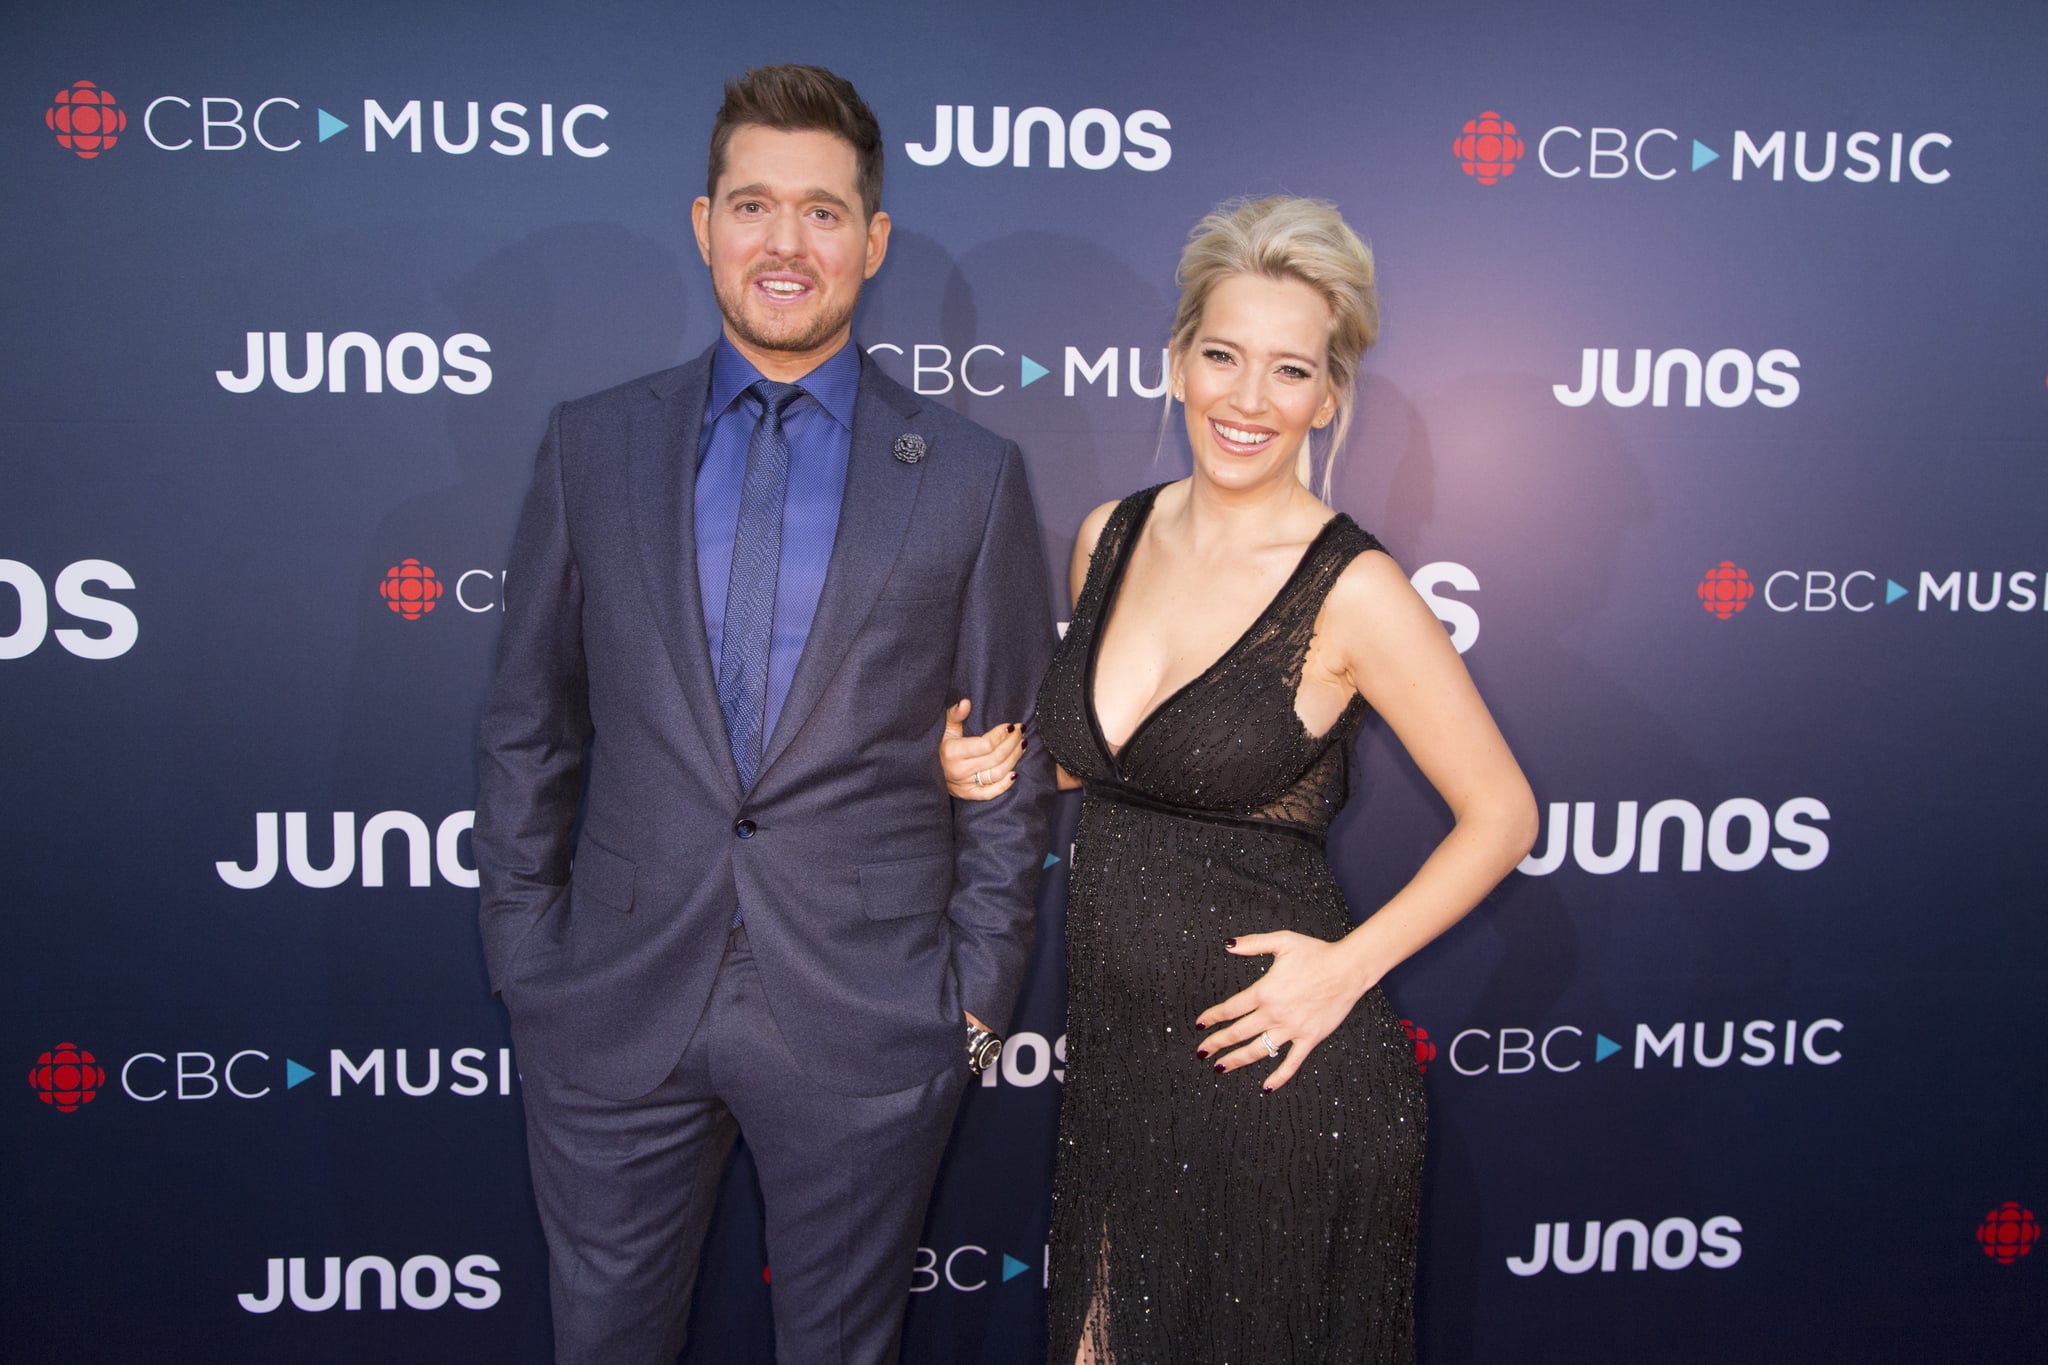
(1727,378)
(1727,590)
(423,1282)
(1739,834)
(1672,1244)
(67,1078)
(411,590)
(1425,1050)
(984,370)
(1094,139)
(411,362)
(86,120)
(33,597)
(969,1269)
(1490,148)
(2008,1232)
(1562,1048)
(425,851)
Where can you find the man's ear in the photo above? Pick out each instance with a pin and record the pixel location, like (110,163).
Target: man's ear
(878,242)
(700,223)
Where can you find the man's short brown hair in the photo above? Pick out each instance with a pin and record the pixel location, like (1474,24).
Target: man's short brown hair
(794,99)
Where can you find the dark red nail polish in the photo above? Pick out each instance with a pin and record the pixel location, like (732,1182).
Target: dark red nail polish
(1230,943)
(1013,727)
(1200,1026)
(1265,1090)
(1201,1056)
(1219,1066)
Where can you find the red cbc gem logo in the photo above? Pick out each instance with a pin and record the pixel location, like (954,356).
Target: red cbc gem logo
(1425,1051)
(67,1076)
(1488,148)
(1725,590)
(86,120)
(410,589)
(2008,1232)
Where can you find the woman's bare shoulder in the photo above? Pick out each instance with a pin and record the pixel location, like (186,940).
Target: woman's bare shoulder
(1372,594)
(1084,548)
(1091,529)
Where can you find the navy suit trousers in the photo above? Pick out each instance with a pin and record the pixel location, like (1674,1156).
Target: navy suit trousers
(626,1191)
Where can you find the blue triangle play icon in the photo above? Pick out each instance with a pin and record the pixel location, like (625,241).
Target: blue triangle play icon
(1033,372)
(1051,859)
(1702,154)
(1604,1047)
(294,1073)
(1892,592)
(329,125)
(1012,1267)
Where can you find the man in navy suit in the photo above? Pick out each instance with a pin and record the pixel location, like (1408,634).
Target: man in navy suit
(723,887)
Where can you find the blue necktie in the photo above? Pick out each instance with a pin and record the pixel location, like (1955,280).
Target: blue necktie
(750,592)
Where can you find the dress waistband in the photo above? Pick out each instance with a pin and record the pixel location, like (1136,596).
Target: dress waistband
(1125,796)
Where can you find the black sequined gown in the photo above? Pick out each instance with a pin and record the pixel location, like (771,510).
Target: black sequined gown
(1196,1222)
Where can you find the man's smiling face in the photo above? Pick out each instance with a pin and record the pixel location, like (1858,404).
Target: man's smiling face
(787,247)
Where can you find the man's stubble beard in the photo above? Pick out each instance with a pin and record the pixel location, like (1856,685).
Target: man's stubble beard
(822,329)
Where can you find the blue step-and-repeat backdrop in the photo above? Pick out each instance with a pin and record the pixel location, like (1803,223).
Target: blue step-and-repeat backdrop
(1711,418)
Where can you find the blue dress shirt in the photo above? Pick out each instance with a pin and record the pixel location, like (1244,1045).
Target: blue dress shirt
(819,427)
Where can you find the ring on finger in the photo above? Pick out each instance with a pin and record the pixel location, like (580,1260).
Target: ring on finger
(981,777)
(1266,1041)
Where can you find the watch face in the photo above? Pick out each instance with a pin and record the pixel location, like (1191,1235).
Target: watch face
(983,1048)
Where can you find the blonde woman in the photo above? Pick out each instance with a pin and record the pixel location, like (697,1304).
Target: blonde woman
(1241,1133)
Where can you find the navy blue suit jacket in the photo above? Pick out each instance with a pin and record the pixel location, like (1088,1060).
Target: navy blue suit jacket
(878,908)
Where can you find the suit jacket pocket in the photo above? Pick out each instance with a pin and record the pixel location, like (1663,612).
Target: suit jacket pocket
(913,886)
(600,876)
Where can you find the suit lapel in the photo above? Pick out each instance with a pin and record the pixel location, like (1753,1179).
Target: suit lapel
(874,516)
(663,449)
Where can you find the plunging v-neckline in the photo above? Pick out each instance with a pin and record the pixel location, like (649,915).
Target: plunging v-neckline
(1114,586)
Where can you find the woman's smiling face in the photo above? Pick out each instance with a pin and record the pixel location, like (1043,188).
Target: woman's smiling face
(1255,379)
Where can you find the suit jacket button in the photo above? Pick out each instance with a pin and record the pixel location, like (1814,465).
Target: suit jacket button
(744,829)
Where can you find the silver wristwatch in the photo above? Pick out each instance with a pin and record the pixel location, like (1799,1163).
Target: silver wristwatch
(983,1048)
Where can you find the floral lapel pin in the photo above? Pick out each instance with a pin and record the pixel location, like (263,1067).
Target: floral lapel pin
(909,447)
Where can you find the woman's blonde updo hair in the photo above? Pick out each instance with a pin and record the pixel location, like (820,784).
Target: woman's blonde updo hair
(1287,238)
